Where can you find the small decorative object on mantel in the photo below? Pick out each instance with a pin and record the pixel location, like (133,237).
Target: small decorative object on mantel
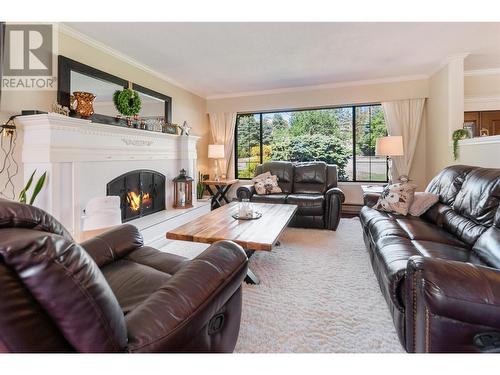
(484,132)
(170,128)
(456,136)
(185,128)
(59,109)
(183,190)
(470,126)
(84,103)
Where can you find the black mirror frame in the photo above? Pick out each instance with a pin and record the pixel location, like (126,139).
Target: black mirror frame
(66,65)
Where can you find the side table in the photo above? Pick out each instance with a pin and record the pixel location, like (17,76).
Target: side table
(221,189)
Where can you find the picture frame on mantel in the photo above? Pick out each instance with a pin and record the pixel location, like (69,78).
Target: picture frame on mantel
(171,129)
(67,65)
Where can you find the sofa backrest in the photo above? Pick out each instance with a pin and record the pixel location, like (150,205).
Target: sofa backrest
(310,177)
(49,272)
(331,176)
(487,246)
(282,169)
(468,200)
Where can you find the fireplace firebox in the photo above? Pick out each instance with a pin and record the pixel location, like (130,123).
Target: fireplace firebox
(141,192)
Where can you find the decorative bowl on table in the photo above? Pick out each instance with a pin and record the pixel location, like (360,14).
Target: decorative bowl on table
(255,215)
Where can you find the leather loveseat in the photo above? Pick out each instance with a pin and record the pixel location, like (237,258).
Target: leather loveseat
(111,293)
(312,186)
(440,273)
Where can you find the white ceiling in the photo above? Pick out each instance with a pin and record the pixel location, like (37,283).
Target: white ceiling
(226,58)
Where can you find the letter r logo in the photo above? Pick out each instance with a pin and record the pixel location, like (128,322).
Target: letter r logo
(28,50)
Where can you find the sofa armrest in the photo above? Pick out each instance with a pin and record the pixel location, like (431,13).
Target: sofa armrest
(245,192)
(370,199)
(113,244)
(336,192)
(448,303)
(170,318)
(334,198)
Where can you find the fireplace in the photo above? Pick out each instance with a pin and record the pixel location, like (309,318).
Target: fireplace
(141,192)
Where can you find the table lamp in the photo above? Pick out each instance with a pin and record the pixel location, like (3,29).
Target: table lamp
(390,146)
(216,152)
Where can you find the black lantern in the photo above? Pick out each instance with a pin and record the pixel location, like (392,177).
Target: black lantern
(183,190)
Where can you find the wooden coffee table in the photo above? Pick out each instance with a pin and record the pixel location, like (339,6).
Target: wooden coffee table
(253,235)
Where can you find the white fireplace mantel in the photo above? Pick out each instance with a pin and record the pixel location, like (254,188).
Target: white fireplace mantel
(81,157)
(57,138)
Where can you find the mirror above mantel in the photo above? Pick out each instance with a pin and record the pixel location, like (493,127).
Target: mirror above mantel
(75,76)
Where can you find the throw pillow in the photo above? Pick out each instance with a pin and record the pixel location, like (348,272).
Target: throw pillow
(396,198)
(266,183)
(422,201)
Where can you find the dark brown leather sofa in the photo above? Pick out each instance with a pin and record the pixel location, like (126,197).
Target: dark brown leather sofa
(312,186)
(111,293)
(440,273)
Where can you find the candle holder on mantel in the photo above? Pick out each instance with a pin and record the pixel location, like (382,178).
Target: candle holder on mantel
(183,190)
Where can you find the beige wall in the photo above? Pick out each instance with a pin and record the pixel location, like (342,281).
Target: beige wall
(185,105)
(356,94)
(482,85)
(437,140)
(482,92)
(445,114)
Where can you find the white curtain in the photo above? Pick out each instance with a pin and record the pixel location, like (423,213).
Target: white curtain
(404,118)
(222,126)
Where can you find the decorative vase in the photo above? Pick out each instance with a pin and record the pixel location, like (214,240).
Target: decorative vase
(84,103)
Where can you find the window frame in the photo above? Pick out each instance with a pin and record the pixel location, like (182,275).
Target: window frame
(353,132)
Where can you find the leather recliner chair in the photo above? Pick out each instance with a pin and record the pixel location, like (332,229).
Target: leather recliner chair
(312,186)
(111,293)
(440,273)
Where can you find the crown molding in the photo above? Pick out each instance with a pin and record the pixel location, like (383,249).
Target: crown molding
(321,87)
(476,99)
(447,60)
(65,29)
(482,72)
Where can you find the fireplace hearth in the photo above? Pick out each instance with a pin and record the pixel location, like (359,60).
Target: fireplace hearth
(141,192)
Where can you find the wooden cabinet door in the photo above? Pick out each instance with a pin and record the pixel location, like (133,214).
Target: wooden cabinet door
(491,120)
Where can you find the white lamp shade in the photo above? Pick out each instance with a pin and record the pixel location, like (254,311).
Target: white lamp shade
(389,146)
(102,212)
(216,151)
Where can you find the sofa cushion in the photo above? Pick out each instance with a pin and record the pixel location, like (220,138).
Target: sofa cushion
(422,201)
(487,247)
(282,169)
(448,183)
(396,198)
(135,277)
(308,204)
(266,183)
(478,199)
(440,250)
(270,198)
(418,229)
(310,178)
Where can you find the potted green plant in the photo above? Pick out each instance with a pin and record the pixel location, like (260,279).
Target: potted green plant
(200,188)
(458,135)
(23,195)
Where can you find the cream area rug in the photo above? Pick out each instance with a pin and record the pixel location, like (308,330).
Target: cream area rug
(318,293)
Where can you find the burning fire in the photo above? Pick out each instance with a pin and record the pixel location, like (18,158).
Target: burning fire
(134,200)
